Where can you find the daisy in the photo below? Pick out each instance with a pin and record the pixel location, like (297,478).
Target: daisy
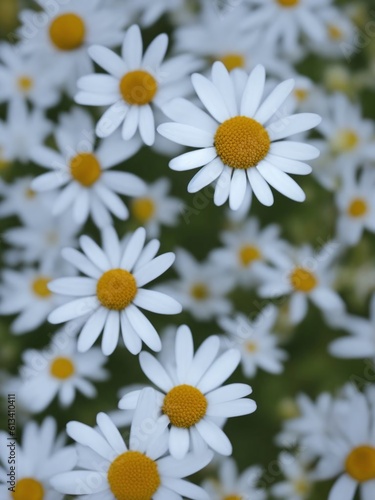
(258,345)
(298,482)
(113,292)
(60,35)
(135,84)
(114,471)
(156,208)
(41,455)
(241,142)
(200,288)
(235,486)
(303,274)
(361,341)
(245,246)
(26,78)
(83,171)
(356,203)
(59,370)
(191,394)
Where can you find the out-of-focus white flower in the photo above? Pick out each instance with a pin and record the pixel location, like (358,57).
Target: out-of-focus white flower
(150,12)
(298,482)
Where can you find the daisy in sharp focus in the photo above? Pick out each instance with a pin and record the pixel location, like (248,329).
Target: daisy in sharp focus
(143,470)
(39,456)
(112,292)
(59,370)
(191,395)
(84,173)
(135,83)
(241,139)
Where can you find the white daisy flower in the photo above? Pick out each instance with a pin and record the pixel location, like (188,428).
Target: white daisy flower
(302,274)
(22,132)
(361,341)
(200,288)
(26,293)
(156,208)
(256,341)
(356,203)
(150,12)
(245,246)
(135,83)
(114,471)
(61,35)
(84,171)
(59,370)
(191,394)
(113,292)
(40,456)
(242,139)
(235,486)
(298,482)
(26,78)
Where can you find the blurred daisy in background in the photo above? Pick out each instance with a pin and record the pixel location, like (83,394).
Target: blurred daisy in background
(298,482)
(112,292)
(256,340)
(149,13)
(135,83)
(191,394)
(83,171)
(241,139)
(234,486)
(156,208)
(59,370)
(40,455)
(143,470)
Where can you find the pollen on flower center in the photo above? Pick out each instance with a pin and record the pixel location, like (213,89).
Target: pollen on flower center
(251,346)
(116,289)
(67,31)
(138,87)
(28,488)
(133,476)
(241,142)
(185,406)
(345,141)
(232,497)
(360,463)
(40,287)
(62,368)
(25,83)
(288,3)
(143,209)
(247,254)
(199,291)
(303,280)
(233,61)
(334,32)
(85,169)
(301,94)
(358,207)
(301,486)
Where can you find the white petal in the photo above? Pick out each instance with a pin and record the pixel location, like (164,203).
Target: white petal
(253,92)
(111,433)
(154,269)
(273,102)
(157,302)
(155,372)
(111,119)
(108,60)
(147,125)
(143,327)
(111,333)
(94,253)
(186,135)
(223,82)
(294,150)
(131,339)
(73,286)
(155,52)
(237,189)
(193,159)
(293,124)
(214,437)
(203,358)
(87,436)
(260,187)
(73,310)
(131,123)
(179,442)
(210,97)
(289,166)
(111,245)
(281,181)
(232,408)
(228,393)
(222,188)
(220,370)
(206,175)
(132,48)
(92,329)
(81,262)
(343,489)
(98,83)
(133,249)
(183,111)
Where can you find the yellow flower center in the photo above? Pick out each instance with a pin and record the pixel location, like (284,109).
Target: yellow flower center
(67,32)
(138,87)
(25,83)
(40,287)
(143,209)
(251,346)
(334,33)
(62,368)
(301,94)
(185,406)
(30,193)
(301,486)
(247,255)
(116,289)
(133,476)
(360,463)
(288,3)
(241,142)
(199,291)
(232,497)
(345,141)
(85,169)
(233,61)
(303,280)
(357,208)
(28,488)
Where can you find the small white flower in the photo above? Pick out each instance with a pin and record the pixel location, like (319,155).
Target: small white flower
(298,482)
(114,471)
(191,394)
(258,345)
(241,139)
(83,171)
(135,83)
(111,293)
(235,486)
(40,456)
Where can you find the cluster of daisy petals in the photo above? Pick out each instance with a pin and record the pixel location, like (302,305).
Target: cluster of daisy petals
(83,94)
